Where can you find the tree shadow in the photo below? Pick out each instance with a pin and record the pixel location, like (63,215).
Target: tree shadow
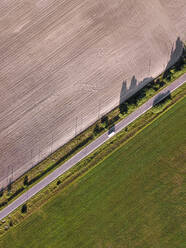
(137,91)
(133,83)
(175,53)
(123,106)
(123,91)
(1,192)
(127,97)
(176,58)
(9,187)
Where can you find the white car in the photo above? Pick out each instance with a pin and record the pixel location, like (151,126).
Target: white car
(111,132)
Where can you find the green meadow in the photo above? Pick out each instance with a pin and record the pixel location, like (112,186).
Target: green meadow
(134,198)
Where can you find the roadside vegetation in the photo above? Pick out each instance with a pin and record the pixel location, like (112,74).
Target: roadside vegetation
(134,198)
(75,145)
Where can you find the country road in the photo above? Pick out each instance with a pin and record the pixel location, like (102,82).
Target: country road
(90,148)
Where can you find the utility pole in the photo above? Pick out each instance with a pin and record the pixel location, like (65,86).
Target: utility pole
(8,176)
(31,158)
(52,143)
(39,153)
(99,110)
(76,126)
(12,173)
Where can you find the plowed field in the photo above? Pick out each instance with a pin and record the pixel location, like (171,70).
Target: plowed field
(63,63)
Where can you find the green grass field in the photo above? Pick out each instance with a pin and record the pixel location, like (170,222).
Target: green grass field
(134,198)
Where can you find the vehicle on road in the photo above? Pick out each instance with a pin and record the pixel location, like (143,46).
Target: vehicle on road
(111,131)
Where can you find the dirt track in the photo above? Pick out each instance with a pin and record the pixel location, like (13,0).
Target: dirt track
(63,62)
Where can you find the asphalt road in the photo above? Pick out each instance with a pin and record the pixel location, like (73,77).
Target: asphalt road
(90,148)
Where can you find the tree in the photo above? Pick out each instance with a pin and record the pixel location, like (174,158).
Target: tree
(96,129)
(24,208)
(123,108)
(11,223)
(9,187)
(105,120)
(179,65)
(1,192)
(25,180)
(58,182)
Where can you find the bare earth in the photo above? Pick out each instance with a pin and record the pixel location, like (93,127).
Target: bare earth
(63,63)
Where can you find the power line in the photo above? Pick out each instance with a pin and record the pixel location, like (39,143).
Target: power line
(76,126)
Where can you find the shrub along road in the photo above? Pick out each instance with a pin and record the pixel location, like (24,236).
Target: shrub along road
(91,147)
